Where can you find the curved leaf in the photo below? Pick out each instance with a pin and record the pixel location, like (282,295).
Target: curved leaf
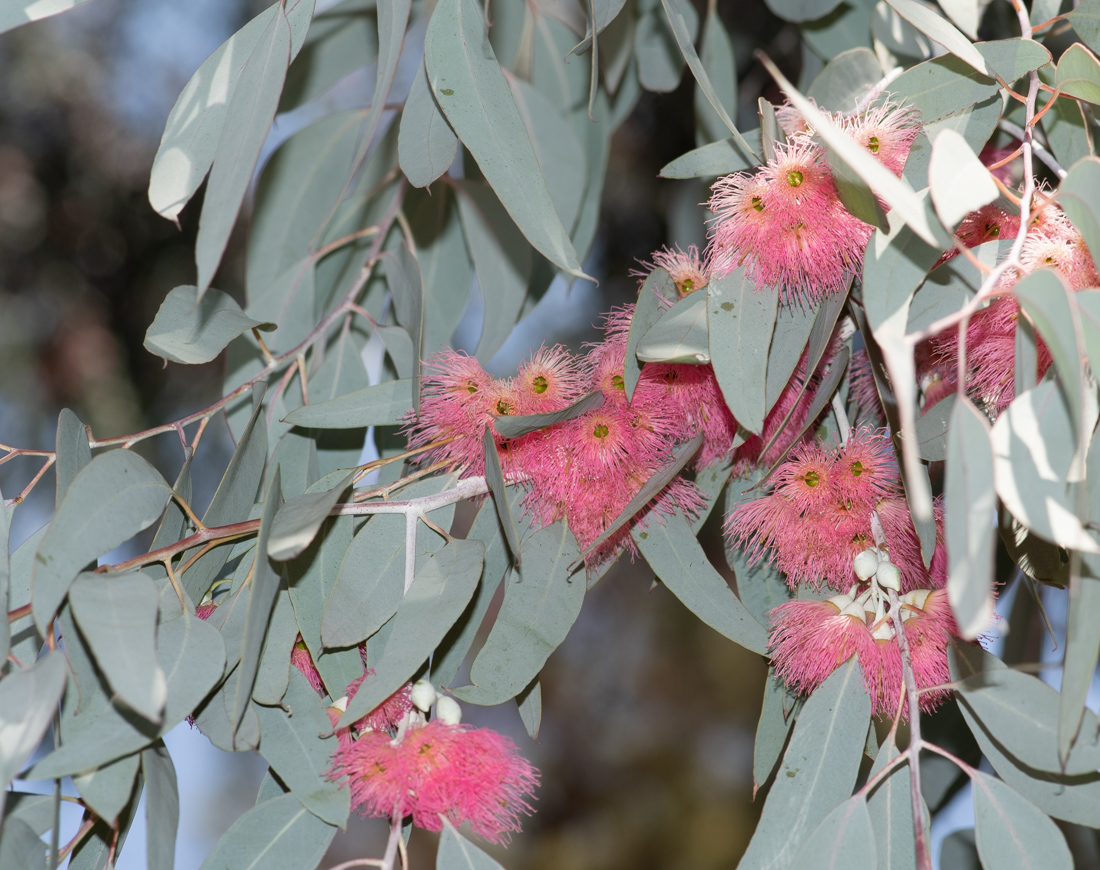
(278,834)
(680,336)
(1011,832)
(28,700)
(426,144)
(298,521)
(522,424)
(717,158)
(958,180)
(844,839)
(189,330)
(380,405)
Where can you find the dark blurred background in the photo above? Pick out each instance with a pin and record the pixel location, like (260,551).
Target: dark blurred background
(649,716)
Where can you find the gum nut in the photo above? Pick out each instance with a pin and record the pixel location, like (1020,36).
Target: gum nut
(885,631)
(866,563)
(888,576)
(423,695)
(448,711)
(841,601)
(917,598)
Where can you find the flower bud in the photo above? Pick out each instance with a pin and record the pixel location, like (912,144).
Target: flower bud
(866,563)
(917,597)
(423,695)
(448,710)
(888,576)
(341,704)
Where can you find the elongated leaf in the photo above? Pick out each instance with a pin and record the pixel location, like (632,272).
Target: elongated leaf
(1077,194)
(720,65)
(106,790)
(844,839)
(657,290)
(293,745)
(1085,20)
(494,476)
(971,504)
(1021,712)
(458,853)
(678,13)
(162,807)
(1011,832)
(407,287)
(1078,74)
(466,79)
(717,158)
(541,602)
(942,31)
(73,451)
(5,578)
(818,770)
(20,846)
(282,633)
(932,430)
(901,198)
(959,181)
(1013,58)
(426,144)
(502,261)
(742,319)
(942,86)
(891,808)
(1034,450)
(299,520)
(262,590)
(951,285)
(192,656)
(248,119)
(436,599)
(28,700)
(381,405)
(113,498)
(118,617)
(660,62)
(189,330)
(771,732)
(680,335)
(678,560)
(845,80)
(514,427)
(649,491)
(278,834)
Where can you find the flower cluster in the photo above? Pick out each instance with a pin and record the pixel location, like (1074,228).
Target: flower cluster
(786,222)
(425,770)
(1051,242)
(587,469)
(817,517)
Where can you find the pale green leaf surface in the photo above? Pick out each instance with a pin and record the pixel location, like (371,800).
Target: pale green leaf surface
(818,769)
(965,15)
(298,521)
(771,732)
(1078,74)
(717,57)
(717,158)
(1086,21)
(678,560)
(891,809)
(113,498)
(542,600)
(293,746)
(660,61)
(248,118)
(28,699)
(162,807)
(494,477)
(106,790)
(467,80)
(278,834)
(942,86)
(950,286)
(942,31)
(458,853)
(380,405)
(517,426)
(426,144)
(680,335)
(1011,832)
(846,79)
(657,290)
(187,330)
(932,431)
(958,180)
(117,616)
(1079,196)
(282,633)
(20,846)
(438,596)
(73,453)
(444,261)
(844,839)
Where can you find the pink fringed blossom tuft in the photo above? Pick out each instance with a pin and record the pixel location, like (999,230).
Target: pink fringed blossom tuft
(987,224)
(862,391)
(688,270)
(549,381)
(887,131)
(787,225)
(865,471)
(436,770)
(805,480)
(387,715)
(203,611)
(1004,173)
(303,661)
(929,629)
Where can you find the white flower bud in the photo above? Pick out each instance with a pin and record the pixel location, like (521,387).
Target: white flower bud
(888,576)
(866,563)
(341,704)
(448,710)
(423,695)
(884,628)
(917,597)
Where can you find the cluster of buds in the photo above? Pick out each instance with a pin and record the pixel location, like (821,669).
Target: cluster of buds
(431,769)
(810,639)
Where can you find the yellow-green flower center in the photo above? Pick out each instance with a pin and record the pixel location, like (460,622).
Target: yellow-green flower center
(618,383)
(758,203)
(540,384)
(794,178)
(600,430)
(872,144)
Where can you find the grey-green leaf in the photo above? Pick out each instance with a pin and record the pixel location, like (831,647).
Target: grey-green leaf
(73,451)
(891,809)
(541,602)
(771,732)
(941,31)
(846,79)
(680,336)
(458,853)
(802,10)
(1011,832)
(380,405)
(299,520)
(426,144)
(942,86)
(28,700)
(969,511)
(162,807)
(191,330)
(932,429)
(293,745)
(958,180)
(438,595)
(113,498)
(117,616)
(278,834)
(494,477)
(1078,194)
(818,770)
(466,79)
(742,319)
(657,290)
(107,789)
(845,839)
(717,158)
(248,118)
(678,560)
(514,427)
